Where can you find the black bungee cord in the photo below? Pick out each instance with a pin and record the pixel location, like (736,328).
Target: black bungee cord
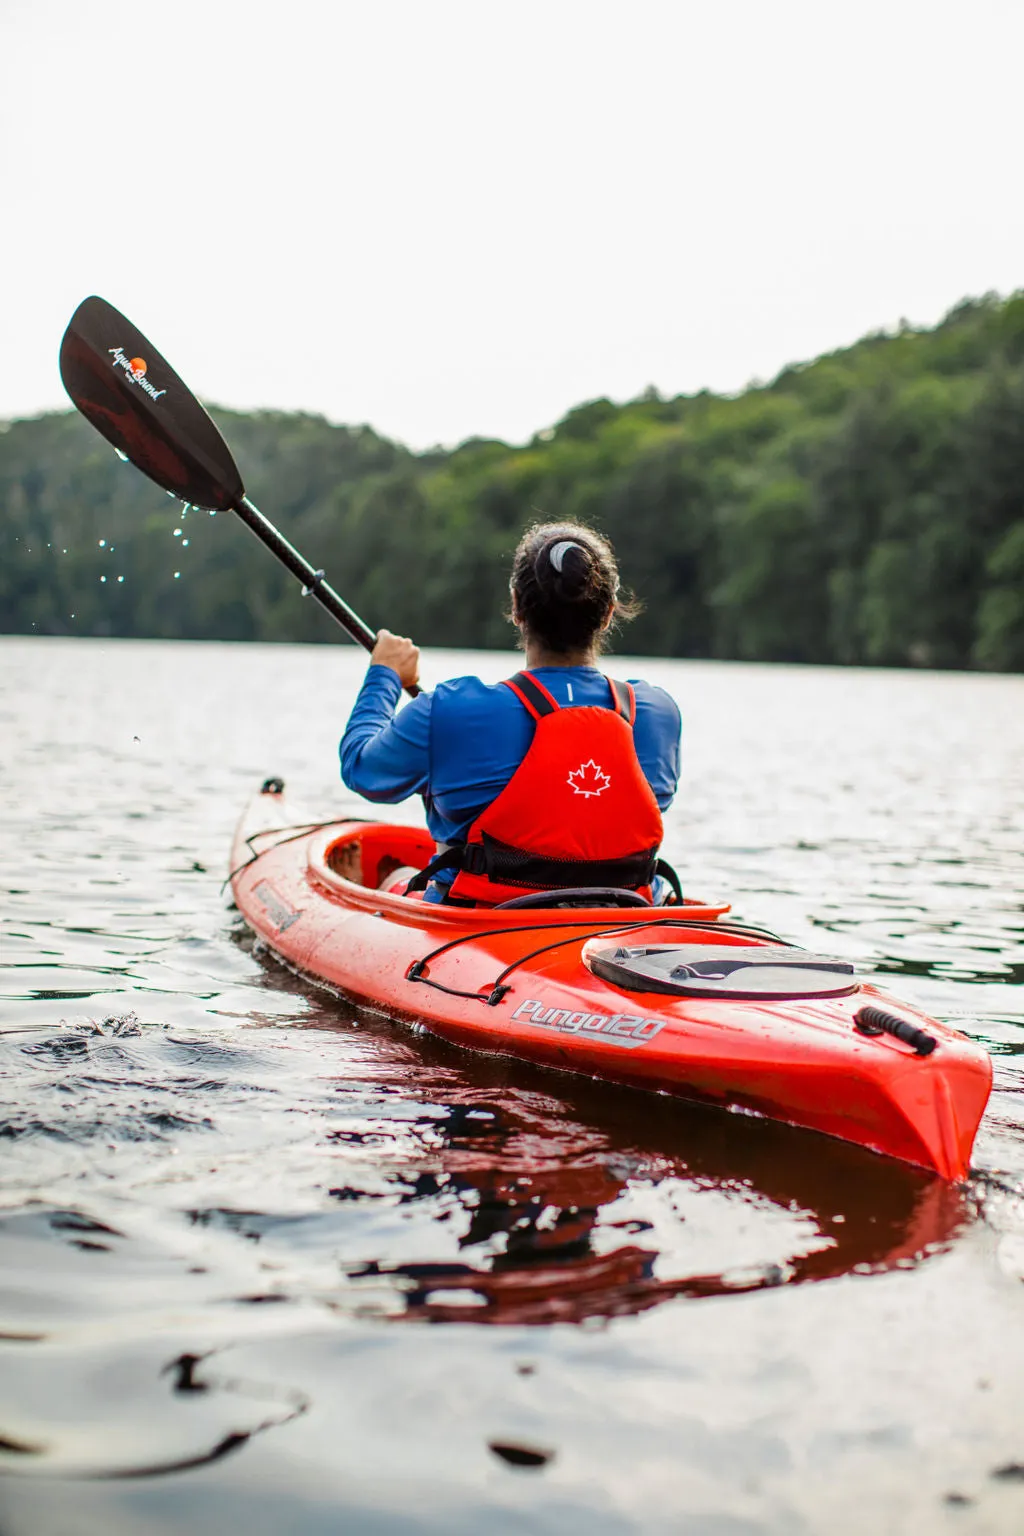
(498,989)
(305,829)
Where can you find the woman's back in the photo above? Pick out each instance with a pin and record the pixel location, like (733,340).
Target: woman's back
(460,745)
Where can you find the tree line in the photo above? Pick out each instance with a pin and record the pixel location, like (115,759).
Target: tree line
(867,508)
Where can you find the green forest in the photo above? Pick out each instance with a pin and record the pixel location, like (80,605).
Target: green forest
(867,508)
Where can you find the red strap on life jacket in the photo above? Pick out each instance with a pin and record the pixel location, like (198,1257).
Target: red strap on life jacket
(624,695)
(532,694)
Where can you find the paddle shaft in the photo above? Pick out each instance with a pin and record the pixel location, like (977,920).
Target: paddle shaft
(313,583)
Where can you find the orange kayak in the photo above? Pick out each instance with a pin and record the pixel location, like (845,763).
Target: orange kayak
(678,999)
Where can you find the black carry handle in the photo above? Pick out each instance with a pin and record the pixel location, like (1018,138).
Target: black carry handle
(875,1021)
(134,398)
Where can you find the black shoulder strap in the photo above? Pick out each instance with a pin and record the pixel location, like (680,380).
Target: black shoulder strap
(533,694)
(623,700)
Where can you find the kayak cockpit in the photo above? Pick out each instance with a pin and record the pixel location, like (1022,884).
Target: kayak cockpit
(358,860)
(368,853)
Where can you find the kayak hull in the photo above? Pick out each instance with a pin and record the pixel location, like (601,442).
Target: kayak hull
(520,983)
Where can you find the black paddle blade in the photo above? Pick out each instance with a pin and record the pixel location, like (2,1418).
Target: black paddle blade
(120,383)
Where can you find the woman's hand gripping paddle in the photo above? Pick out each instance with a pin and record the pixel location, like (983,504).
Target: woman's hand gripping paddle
(120,382)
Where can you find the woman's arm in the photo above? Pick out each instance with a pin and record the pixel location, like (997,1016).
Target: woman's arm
(386,757)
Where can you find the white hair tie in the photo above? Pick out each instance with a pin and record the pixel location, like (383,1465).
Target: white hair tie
(558,552)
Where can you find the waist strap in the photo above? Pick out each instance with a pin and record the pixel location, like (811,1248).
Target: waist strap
(512,866)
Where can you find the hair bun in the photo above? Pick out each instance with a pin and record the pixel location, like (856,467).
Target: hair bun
(571,563)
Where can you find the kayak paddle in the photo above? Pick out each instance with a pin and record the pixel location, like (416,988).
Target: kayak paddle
(134,398)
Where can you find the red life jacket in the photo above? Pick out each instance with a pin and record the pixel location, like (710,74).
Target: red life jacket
(578,811)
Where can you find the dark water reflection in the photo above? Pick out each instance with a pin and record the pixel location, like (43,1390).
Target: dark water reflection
(222,1190)
(567,1219)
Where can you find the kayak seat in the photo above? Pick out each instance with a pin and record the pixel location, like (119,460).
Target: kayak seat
(397,879)
(756,973)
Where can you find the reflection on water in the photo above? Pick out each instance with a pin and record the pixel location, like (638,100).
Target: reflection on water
(221,1190)
(562,1219)
(217,1190)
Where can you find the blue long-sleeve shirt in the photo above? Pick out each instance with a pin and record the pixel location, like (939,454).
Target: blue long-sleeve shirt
(460,745)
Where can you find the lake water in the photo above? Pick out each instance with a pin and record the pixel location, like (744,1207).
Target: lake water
(273,1266)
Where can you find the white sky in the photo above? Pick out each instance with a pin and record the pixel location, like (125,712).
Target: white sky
(458,217)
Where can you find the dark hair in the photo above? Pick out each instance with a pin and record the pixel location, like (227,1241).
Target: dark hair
(564,580)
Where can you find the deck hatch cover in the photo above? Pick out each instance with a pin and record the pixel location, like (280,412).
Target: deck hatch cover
(757,973)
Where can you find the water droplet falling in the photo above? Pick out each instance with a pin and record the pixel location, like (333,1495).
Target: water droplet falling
(103,578)
(177,533)
(176,575)
(120,578)
(184,543)
(103,544)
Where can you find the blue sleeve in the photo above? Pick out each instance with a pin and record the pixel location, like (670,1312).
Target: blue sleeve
(656,733)
(386,757)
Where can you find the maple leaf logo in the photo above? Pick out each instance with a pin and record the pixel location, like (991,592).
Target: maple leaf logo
(589,779)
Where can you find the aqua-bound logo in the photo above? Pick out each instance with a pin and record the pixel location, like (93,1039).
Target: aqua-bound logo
(135,368)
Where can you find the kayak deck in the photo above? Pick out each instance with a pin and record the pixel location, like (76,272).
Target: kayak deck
(567,988)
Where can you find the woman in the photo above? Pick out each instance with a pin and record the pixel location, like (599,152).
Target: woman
(555,778)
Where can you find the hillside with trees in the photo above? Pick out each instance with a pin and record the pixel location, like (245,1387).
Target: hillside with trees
(867,507)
